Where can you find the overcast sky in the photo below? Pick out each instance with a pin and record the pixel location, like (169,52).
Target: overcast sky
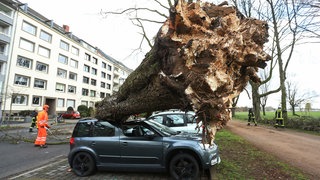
(117,37)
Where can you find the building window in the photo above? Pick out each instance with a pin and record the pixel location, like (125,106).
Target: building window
(85,80)
(92,93)
(2,46)
(42,67)
(63,59)
(109,68)
(62,73)
(74,63)
(26,45)
(36,100)
(104,65)
(44,51)
(72,76)
(85,92)
(94,60)
(91,104)
(60,87)
(86,68)
(94,71)
(87,57)
(75,50)
(29,28)
(108,76)
(71,103)
(102,95)
(72,89)
(108,86)
(20,99)
(39,83)
(103,84)
(93,82)
(60,102)
(103,74)
(64,45)
(21,80)
(84,103)
(24,62)
(45,36)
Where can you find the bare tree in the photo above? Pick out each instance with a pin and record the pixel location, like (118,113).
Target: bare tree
(290,23)
(296,98)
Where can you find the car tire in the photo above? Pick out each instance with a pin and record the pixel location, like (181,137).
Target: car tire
(83,164)
(184,166)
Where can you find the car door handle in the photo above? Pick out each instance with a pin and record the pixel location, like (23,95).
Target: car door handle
(93,143)
(125,143)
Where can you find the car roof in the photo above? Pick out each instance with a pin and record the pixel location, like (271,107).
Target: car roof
(173,112)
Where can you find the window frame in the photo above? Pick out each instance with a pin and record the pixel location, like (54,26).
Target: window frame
(23,64)
(21,76)
(43,51)
(26,28)
(64,45)
(42,65)
(44,83)
(62,73)
(64,58)
(63,89)
(45,36)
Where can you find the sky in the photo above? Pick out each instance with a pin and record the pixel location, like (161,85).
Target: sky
(118,37)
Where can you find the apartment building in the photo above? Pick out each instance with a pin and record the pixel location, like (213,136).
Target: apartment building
(47,64)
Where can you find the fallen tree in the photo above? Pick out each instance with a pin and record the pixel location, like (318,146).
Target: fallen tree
(203,56)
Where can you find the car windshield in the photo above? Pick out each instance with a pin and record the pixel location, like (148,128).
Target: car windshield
(164,129)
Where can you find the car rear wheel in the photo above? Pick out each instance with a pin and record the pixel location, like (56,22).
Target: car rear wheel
(83,164)
(184,166)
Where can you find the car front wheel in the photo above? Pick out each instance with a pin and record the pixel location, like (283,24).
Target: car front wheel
(83,164)
(184,166)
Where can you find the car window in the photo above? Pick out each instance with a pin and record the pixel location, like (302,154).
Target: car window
(103,129)
(175,120)
(191,118)
(134,130)
(158,119)
(82,129)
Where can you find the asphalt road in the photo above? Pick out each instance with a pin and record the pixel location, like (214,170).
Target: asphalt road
(16,158)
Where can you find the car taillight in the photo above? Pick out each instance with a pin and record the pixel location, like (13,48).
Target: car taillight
(71,141)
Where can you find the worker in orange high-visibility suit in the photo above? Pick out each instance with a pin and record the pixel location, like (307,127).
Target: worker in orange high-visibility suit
(42,122)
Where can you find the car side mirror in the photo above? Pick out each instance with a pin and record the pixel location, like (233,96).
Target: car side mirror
(150,134)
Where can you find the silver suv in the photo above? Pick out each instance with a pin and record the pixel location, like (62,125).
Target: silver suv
(140,146)
(178,120)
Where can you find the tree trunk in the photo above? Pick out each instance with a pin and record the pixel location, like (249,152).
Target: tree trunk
(256,100)
(203,57)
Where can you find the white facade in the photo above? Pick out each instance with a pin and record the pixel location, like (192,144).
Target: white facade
(51,66)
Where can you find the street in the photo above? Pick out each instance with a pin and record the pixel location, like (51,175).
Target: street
(16,158)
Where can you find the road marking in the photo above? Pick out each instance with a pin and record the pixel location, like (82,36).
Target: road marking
(51,164)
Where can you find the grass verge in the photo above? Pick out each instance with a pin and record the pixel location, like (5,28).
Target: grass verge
(242,160)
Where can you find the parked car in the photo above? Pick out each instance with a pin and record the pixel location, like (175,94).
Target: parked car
(177,120)
(71,115)
(139,145)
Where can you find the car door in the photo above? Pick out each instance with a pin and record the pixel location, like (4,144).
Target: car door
(141,150)
(105,142)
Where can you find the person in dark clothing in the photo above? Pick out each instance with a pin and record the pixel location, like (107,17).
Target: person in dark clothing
(251,117)
(33,115)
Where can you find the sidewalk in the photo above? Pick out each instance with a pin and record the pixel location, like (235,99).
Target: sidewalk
(58,133)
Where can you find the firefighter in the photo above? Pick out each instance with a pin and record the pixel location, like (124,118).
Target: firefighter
(42,121)
(279,118)
(251,117)
(34,115)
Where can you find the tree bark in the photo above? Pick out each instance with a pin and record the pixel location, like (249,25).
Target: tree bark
(203,56)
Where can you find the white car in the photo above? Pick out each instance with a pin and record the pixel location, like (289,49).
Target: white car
(177,120)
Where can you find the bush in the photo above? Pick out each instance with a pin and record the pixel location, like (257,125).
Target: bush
(83,110)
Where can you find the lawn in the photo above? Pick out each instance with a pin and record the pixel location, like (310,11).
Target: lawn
(241,160)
